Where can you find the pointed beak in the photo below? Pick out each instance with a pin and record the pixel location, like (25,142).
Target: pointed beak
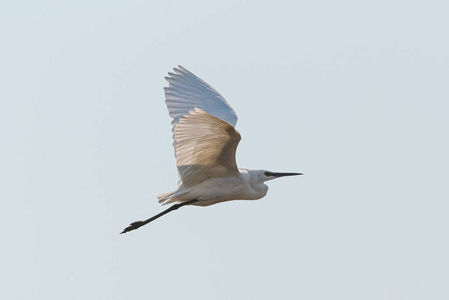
(284,174)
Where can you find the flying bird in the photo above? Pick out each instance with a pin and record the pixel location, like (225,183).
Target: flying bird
(205,142)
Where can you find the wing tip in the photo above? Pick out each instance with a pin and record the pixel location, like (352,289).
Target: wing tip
(180,69)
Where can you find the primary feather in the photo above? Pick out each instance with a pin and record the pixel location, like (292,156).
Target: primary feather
(185,91)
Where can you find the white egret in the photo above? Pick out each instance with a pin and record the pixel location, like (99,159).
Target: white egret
(205,142)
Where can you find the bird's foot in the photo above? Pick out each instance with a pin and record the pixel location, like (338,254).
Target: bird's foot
(133,226)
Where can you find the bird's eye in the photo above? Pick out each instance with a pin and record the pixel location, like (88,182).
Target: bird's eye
(267,174)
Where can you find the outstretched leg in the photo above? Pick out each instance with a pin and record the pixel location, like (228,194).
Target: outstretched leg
(138,224)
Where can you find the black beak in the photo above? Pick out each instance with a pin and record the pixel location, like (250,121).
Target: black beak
(283,174)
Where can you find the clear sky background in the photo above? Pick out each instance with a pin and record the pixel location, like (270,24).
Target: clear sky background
(352,93)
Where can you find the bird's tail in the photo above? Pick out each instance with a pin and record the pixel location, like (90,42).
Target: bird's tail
(163,197)
(170,197)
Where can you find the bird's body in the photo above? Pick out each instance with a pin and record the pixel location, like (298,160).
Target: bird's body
(244,186)
(205,143)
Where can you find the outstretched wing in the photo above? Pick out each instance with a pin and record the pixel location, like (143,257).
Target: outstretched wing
(205,147)
(186,91)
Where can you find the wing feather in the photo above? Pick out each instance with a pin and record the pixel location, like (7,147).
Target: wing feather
(205,147)
(186,91)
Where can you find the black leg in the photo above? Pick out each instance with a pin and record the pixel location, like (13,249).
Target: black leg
(138,224)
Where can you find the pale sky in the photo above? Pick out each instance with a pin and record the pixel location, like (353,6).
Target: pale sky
(354,94)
